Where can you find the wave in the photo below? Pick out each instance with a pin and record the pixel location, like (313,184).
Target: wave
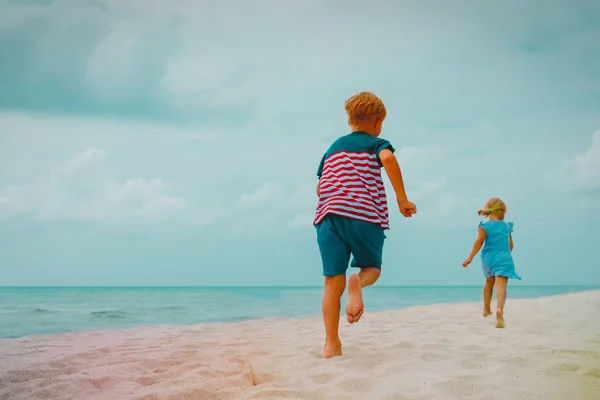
(239,318)
(172,308)
(109,314)
(42,311)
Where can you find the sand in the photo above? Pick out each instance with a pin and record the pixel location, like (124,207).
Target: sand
(550,349)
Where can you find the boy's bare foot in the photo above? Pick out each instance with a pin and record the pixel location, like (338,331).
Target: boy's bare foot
(354,305)
(487,312)
(500,319)
(332,350)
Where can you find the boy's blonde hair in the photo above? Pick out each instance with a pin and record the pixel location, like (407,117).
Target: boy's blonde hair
(493,206)
(363,106)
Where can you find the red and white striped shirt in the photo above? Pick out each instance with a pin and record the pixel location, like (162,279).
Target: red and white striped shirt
(351,186)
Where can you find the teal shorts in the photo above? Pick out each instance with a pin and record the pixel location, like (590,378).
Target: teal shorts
(339,237)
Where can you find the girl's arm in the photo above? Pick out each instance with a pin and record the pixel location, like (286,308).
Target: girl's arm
(476,246)
(512,245)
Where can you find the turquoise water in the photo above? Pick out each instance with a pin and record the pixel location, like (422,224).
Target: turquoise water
(27,311)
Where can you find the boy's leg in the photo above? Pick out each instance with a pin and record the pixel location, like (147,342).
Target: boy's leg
(368,276)
(367,247)
(331,306)
(501,282)
(355,306)
(488,291)
(335,255)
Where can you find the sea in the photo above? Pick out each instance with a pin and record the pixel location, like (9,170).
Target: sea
(52,310)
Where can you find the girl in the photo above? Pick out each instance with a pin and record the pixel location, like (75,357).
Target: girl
(495,236)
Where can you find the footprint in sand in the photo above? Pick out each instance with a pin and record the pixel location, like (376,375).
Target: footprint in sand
(404,345)
(263,378)
(595,373)
(521,362)
(470,364)
(560,369)
(323,378)
(146,380)
(463,386)
(357,386)
(429,356)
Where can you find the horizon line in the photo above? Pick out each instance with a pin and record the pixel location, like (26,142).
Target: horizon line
(253,286)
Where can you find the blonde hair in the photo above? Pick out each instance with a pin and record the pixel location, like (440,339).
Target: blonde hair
(363,106)
(493,206)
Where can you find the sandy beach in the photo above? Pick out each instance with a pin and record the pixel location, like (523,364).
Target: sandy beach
(550,349)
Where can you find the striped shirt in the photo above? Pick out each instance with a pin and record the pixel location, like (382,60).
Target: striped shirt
(350,182)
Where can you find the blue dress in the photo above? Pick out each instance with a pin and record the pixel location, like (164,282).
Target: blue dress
(496,258)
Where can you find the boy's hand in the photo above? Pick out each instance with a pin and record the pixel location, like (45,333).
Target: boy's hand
(407,208)
(467,262)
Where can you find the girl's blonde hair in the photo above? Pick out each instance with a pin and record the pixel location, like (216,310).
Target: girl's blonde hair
(493,206)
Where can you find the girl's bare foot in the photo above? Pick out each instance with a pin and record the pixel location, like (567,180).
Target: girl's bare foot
(500,319)
(354,305)
(487,312)
(332,349)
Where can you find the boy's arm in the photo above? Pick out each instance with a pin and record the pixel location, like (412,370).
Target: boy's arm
(392,169)
(319,188)
(512,245)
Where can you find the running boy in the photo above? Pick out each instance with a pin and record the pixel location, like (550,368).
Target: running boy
(352,212)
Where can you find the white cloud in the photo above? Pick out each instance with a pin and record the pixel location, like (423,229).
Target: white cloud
(268,194)
(438,204)
(202,165)
(584,169)
(81,189)
(186,54)
(274,206)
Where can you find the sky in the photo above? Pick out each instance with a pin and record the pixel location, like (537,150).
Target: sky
(177,143)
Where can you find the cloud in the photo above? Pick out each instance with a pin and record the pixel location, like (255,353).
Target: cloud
(186,60)
(268,194)
(238,97)
(222,174)
(274,206)
(583,170)
(188,115)
(81,189)
(439,204)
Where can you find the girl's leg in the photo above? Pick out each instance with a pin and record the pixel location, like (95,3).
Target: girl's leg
(501,282)
(488,291)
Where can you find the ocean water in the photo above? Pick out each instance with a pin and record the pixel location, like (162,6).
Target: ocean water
(33,311)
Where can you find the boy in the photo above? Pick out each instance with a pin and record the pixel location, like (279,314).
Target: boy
(352,212)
